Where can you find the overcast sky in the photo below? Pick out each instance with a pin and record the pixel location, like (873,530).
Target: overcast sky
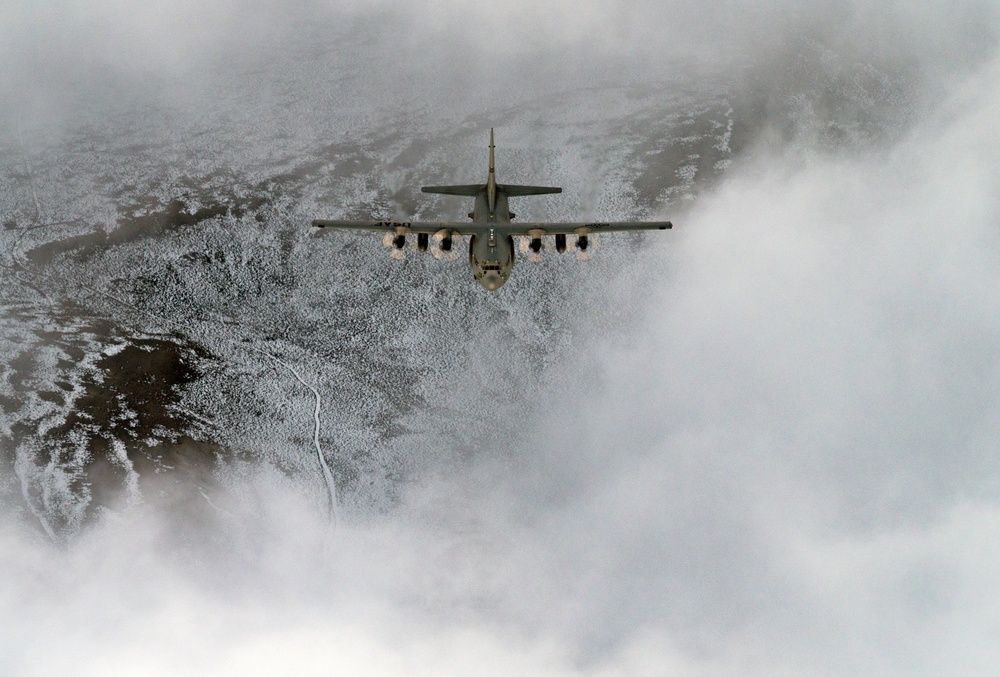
(789,466)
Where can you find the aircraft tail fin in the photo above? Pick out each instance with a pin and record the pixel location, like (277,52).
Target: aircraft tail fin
(518,191)
(470,190)
(491,186)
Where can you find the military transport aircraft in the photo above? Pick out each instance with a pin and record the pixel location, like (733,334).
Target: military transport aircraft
(491,233)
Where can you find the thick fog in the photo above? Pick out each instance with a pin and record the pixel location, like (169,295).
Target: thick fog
(787,463)
(61,61)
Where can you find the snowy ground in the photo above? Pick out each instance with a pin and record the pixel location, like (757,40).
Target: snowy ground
(183,239)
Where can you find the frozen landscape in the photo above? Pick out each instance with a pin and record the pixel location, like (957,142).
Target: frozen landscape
(765,442)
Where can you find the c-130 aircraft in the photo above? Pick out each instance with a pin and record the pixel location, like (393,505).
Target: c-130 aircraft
(491,232)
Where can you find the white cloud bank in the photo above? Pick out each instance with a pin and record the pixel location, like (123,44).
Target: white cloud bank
(56,58)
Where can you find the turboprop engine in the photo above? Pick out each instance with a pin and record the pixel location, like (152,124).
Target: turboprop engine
(585,245)
(532,245)
(395,243)
(442,244)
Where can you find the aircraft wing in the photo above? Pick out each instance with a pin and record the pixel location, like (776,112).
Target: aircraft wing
(469,228)
(578,228)
(429,227)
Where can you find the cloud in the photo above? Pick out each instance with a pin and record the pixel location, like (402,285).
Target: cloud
(61,61)
(817,374)
(786,467)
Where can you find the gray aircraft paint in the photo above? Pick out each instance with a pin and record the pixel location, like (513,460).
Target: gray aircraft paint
(491,232)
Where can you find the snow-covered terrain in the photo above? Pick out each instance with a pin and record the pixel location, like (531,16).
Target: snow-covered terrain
(188,242)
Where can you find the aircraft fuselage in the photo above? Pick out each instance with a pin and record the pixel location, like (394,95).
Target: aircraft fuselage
(491,256)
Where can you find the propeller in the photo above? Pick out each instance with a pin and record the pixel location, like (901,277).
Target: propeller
(531,247)
(585,245)
(533,244)
(395,243)
(446,245)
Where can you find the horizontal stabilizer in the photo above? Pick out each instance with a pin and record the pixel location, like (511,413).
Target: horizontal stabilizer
(468,191)
(517,191)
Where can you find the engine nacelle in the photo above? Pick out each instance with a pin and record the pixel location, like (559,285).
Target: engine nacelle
(535,245)
(561,242)
(442,245)
(582,242)
(399,241)
(422,239)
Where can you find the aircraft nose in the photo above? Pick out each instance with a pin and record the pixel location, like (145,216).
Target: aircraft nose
(491,281)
